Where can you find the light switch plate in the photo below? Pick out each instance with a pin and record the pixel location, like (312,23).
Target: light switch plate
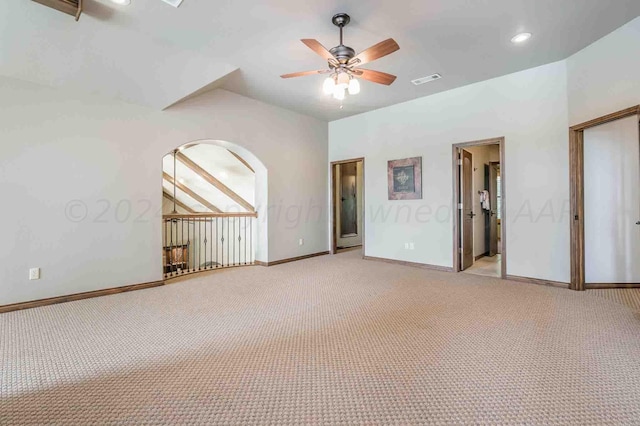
(34,274)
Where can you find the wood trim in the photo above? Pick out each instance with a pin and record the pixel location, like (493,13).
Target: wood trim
(349,248)
(172,279)
(78,296)
(594,286)
(213,181)
(208,215)
(352,160)
(191,193)
(635,110)
(537,281)
(576,197)
(179,203)
(332,203)
(292,259)
(576,185)
(242,160)
(500,141)
(69,7)
(411,264)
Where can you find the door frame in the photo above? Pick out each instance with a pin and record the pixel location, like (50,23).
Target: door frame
(499,174)
(466,215)
(334,228)
(576,182)
(500,141)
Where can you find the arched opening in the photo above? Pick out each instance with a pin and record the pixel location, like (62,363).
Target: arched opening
(211,193)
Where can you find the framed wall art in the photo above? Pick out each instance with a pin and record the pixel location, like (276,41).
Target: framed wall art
(405,179)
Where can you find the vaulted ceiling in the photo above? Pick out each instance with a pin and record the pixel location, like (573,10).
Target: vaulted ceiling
(209,179)
(152,54)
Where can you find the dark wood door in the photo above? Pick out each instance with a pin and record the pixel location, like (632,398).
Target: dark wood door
(494,172)
(466,198)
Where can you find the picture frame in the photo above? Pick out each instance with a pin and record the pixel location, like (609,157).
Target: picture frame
(404,179)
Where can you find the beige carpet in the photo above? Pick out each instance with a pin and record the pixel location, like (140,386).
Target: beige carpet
(332,340)
(625,296)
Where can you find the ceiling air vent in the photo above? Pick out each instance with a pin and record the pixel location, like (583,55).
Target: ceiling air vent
(423,80)
(70,7)
(174,3)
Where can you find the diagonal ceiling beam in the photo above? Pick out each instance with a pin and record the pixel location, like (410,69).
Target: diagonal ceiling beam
(178,202)
(213,181)
(190,193)
(242,160)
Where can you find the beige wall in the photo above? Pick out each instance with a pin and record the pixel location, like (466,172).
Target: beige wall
(529,109)
(67,157)
(604,77)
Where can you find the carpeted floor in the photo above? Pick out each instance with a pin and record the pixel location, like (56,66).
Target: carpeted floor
(625,296)
(330,340)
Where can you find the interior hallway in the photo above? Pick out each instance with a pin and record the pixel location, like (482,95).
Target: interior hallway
(487,266)
(333,339)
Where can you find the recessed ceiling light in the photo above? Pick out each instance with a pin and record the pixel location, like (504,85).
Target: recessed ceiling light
(121,2)
(521,38)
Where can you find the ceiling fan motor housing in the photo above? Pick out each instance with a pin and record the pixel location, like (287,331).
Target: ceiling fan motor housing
(343,53)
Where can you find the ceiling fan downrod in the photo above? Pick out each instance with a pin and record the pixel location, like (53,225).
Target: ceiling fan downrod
(341,52)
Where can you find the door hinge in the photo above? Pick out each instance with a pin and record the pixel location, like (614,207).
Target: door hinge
(460,206)
(460,250)
(459,161)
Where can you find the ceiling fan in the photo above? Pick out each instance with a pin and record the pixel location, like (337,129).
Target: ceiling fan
(343,63)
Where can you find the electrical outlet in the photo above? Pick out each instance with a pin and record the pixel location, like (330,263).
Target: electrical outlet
(412,246)
(34,274)
(301,242)
(406,246)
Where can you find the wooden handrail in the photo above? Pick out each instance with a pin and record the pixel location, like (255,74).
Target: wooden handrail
(208,215)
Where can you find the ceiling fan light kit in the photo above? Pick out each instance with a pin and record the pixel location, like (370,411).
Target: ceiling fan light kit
(343,63)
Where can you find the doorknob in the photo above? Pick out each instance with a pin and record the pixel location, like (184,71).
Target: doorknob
(638,222)
(472,215)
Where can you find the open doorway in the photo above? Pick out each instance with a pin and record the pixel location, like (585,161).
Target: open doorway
(479,231)
(347,211)
(209,218)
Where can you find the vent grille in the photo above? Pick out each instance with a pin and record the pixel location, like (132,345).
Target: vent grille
(174,3)
(423,80)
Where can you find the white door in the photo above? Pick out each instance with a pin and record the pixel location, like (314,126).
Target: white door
(612,202)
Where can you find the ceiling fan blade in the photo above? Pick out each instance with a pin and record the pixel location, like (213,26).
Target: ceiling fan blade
(377,51)
(375,76)
(318,48)
(303,73)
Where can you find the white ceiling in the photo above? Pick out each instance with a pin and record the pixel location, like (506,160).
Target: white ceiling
(153,54)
